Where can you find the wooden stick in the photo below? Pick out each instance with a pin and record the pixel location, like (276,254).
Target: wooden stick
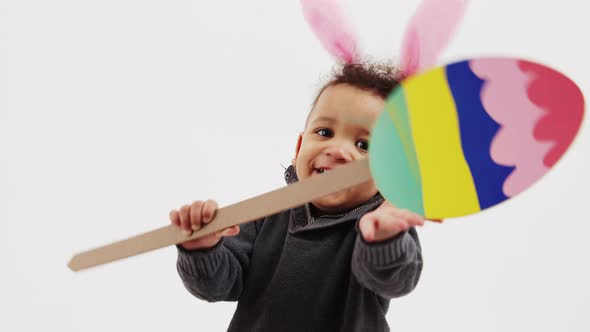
(249,210)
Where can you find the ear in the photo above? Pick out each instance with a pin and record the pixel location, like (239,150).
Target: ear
(428,33)
(328,23)
(297,148)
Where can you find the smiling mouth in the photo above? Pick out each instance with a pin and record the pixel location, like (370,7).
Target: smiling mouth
(320,170)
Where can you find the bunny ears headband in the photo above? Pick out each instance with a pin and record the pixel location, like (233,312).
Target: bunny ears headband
(426,36)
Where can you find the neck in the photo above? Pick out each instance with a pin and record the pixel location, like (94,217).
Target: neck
(316,212)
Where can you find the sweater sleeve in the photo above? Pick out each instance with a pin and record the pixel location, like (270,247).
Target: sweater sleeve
(390,268)
(218,273)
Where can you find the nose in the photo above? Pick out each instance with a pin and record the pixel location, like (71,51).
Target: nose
(339,152)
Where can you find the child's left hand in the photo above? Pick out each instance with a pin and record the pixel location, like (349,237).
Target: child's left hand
(386,222)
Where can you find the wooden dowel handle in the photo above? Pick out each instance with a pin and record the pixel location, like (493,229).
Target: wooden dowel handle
(249,210)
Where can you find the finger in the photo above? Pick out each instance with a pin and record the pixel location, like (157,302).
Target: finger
(185,220)
(231,231)
(174,217)
(209,208)
(413,219)
(368,227)
(389,221)
(196,214)
(393,225)
(203,242)
(388,204)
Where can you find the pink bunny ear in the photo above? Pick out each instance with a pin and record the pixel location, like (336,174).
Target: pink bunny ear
(326,20)
(429,32)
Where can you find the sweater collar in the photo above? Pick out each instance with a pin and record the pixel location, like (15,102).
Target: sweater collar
(301,219)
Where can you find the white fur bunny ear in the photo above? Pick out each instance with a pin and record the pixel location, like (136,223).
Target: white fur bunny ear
(429,32)
(327,21)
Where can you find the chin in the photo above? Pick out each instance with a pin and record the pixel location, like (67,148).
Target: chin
(334,202)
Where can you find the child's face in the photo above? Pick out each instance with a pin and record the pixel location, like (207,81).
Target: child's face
(337,132)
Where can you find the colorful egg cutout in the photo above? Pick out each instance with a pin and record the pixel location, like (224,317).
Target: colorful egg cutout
(461,138)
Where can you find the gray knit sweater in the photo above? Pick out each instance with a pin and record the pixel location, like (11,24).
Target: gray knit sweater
(291,272)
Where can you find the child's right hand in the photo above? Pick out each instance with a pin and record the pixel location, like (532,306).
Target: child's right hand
(192,217)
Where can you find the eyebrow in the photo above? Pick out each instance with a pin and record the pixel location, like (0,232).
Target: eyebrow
(324,119)
(365,131)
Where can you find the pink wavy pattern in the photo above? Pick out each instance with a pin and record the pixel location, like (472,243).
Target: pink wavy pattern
(504,97)
(327,21)
(428,33)
(563,103)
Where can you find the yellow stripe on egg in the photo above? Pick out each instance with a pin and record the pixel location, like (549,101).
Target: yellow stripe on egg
(447,183)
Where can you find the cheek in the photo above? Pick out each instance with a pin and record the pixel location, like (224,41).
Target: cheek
(301,164)
(370,188)
(305,152)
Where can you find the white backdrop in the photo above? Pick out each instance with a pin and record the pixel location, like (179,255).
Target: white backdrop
(114,112)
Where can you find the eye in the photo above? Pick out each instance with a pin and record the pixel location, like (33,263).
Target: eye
(362,144)
(324,132)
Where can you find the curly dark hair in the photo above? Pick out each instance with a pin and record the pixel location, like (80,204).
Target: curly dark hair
(378,78)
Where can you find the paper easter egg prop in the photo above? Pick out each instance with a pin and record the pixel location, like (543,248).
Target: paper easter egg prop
(461,138)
